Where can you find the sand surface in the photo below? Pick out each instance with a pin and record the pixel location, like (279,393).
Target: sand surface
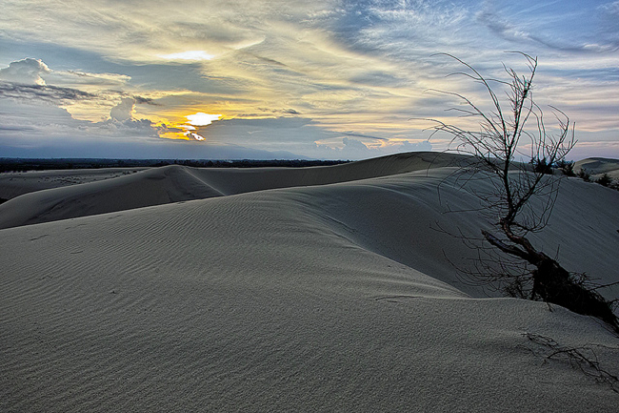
(314,290)
(71,194)
(13,184)
(597,167)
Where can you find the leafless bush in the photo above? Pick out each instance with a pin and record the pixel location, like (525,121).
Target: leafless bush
(523,195)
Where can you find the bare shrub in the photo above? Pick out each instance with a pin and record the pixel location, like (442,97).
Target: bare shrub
(584,175)
(524,270)
(604,180)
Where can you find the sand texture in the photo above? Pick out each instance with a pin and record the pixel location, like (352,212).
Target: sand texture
(328,289)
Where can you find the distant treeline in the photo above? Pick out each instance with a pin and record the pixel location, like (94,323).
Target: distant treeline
(22,165)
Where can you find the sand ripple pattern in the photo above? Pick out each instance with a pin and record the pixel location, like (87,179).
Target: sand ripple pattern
(336,298)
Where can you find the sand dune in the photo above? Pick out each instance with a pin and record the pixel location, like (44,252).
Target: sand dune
(14,184)
(333,297)
(179,183)
(599,166)
(146,188)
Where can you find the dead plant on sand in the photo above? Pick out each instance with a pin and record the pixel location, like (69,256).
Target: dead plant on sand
(523,196)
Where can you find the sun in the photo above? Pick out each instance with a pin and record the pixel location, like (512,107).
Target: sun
(202,119)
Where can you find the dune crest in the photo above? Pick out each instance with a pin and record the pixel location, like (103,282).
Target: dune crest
(596,167)
(175,183)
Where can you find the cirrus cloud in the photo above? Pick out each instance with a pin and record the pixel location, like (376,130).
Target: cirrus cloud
(297,75)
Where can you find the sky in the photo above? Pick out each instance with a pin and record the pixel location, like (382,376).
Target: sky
(326,79)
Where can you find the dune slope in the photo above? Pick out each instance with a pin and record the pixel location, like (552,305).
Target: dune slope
(178,183)
(340,297)
(150,187)
(597,167)
(14,184)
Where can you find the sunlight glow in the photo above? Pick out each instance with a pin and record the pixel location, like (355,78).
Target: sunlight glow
(195,136)
(188,130)
(202,119)
(190,55)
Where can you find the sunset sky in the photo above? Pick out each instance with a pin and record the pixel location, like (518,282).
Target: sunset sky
(288,79)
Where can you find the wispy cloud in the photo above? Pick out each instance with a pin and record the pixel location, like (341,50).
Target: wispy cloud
(300,75)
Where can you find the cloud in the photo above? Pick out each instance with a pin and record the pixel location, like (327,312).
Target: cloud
(124,110)
(304,136)
(551,26)
(353,144)
(609,24)
(51,94)
(355,149)
(22,81)
(33,117)
(268,123)
(273,111)
(123,124)
(361,135)
(27,71)
(610,9)
(355,70)
(407,146)
(500,26)
(34,111)
(79,78)
(144,101)
(195,136)
(25,85)
(144,33)
(162,149)
(194,55)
